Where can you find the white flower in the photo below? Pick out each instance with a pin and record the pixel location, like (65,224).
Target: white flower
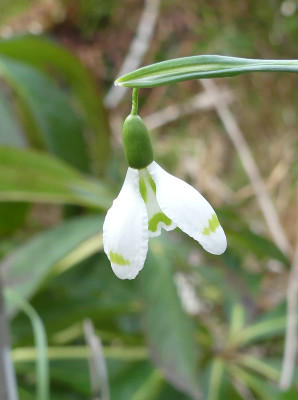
(149,200)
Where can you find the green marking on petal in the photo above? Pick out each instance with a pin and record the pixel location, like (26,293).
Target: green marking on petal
(152,183)
(206,231)
(118,259)
(213,225)
(143,189)
(156,219)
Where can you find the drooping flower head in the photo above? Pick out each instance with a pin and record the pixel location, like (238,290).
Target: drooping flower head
(152,199)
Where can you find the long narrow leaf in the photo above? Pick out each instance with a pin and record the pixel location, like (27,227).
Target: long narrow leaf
(10,131)
(170,332)
(48,112)
(261,388)
(40,338)
(198,67)
(216,378)
(260,330)
(27,267)
(32,176)
(49,56)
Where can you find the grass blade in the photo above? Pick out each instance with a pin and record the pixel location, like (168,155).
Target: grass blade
(40,338)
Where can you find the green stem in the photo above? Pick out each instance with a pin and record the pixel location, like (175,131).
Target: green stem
(27,354)
(8,386)
(40,338)
(259,366)
(216,378)
(135,99)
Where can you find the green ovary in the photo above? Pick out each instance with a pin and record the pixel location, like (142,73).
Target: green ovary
(156,219)
(118,259)
(213,225)
(136,142)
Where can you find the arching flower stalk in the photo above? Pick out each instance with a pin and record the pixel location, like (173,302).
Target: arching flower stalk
(152,199)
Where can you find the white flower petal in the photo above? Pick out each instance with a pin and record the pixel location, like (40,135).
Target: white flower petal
(188,209)
(156,218)
(125,230)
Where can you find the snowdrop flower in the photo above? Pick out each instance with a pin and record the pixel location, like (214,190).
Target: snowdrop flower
(152,199)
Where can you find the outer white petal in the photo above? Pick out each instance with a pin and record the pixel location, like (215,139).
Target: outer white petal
(188,209)
(125,230)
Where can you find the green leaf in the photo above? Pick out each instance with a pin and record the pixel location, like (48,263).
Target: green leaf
(12,216)
(290,394)
(128,380)
(88,289)
(49,56)
(237,320)
(138,381)
(10,130)
(27,267)
(25,395)
(57,127)
(69,379)
(170,333)
(245,240)
(31,176)
(260,331)
(198,67)
(150,388)
(40,339)
(216,379)
(262,367)
(260,387)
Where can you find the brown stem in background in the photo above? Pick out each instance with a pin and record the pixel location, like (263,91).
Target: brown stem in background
(290,350)
(234,132)
(137,50)
(97,364)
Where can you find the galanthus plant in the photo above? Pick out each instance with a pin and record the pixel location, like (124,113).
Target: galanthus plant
(152,199)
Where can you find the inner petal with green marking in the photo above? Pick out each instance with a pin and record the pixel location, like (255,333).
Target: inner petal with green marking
(212,226)
(156,218)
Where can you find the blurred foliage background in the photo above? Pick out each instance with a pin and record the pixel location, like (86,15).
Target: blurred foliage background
(190,323)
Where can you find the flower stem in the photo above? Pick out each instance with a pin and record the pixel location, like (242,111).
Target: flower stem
(133,353)
(135,98)
(8,386)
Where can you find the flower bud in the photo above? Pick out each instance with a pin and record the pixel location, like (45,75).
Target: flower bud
(136,142)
